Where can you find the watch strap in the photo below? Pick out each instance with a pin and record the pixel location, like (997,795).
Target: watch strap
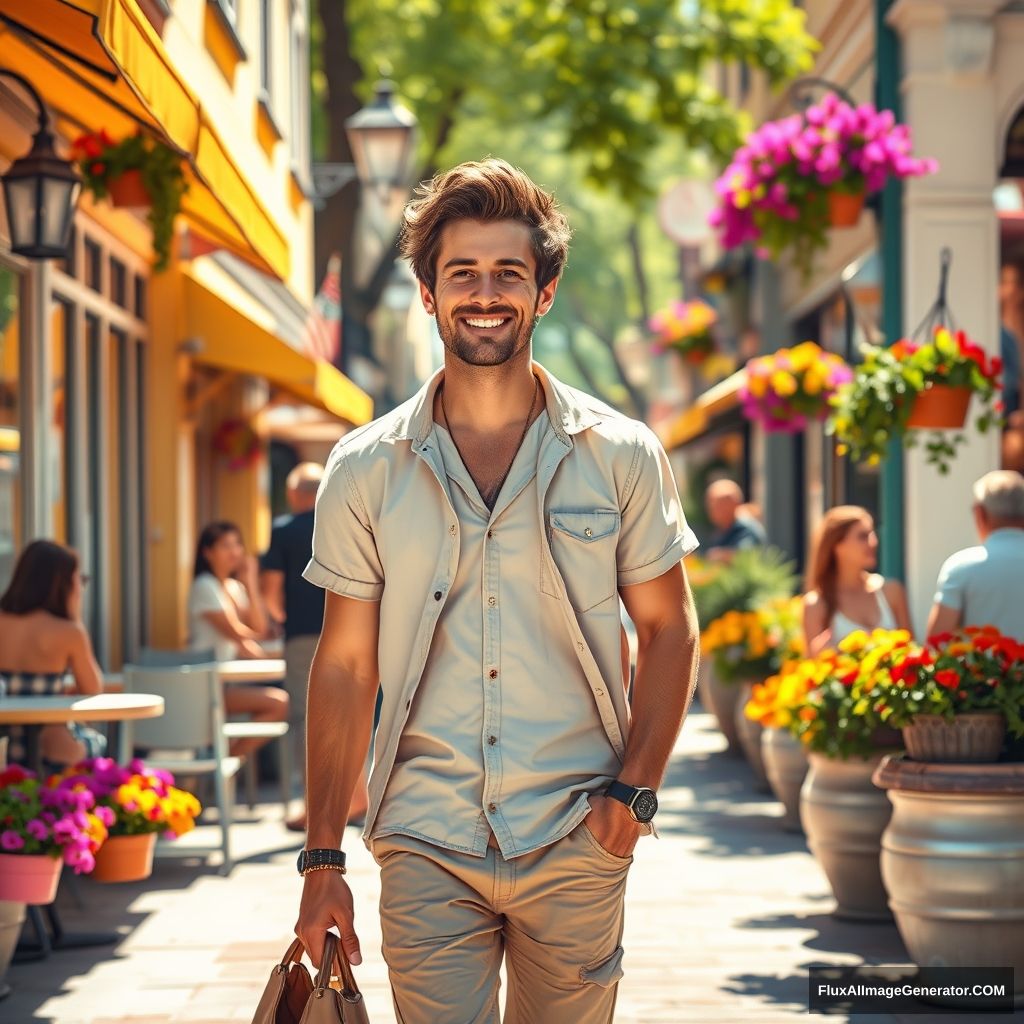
(621,792)
(320,859)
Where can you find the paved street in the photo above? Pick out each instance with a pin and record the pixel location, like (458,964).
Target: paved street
(724,914)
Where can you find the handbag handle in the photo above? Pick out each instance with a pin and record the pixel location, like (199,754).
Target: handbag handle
(293,954)
(334,953)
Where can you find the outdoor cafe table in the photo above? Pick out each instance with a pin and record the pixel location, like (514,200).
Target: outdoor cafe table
(252,670)
(36,712)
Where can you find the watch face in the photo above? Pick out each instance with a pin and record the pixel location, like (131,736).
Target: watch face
(645,805)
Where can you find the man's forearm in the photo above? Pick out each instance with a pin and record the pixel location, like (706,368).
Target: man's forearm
(339,715)
(666,673)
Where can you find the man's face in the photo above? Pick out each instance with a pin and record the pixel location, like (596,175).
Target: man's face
(721,508)
(486,299)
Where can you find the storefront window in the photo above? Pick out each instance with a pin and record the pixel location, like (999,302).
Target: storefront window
(11,531)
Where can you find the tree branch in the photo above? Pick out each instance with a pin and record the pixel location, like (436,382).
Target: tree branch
(582,366)
(643,292)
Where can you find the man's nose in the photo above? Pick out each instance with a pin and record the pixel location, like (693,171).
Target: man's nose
(486,290)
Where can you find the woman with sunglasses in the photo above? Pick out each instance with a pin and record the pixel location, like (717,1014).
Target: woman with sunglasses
(45,649)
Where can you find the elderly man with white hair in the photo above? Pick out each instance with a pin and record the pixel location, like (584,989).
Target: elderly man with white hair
(984,585)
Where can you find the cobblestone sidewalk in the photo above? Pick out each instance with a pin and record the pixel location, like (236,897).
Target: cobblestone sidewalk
(724,914)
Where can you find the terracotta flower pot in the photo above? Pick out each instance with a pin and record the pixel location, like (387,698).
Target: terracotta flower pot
(844,208)
(975,736)
(749,733)
(940,408)
(785,764)
(29,879)
(720,699)
(129,190)
(844,816)
(953,863)
(125,858)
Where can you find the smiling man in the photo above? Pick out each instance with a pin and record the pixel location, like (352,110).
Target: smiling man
(474,545)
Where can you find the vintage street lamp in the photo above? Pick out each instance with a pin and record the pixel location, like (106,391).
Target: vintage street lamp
(40,192)
(381,138)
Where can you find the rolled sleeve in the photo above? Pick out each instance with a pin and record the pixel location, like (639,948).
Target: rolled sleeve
(345,559)
(654,534)
(949,589)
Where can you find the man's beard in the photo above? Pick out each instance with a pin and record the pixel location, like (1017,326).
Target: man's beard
(477,352)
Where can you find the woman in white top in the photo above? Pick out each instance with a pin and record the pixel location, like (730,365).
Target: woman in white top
(843,594)
(226,615)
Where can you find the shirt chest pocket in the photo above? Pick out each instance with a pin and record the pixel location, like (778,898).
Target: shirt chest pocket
(583,546)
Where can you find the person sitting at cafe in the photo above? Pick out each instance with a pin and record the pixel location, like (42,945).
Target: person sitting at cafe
(45,650)
(735,528)
(226,615)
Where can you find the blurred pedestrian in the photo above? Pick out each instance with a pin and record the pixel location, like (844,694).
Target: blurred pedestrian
(736,528)
(299,606)
(843,594)
(984,585)
(45,649)
(226,614)
(475,543)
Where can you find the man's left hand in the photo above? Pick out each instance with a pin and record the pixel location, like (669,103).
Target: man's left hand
(613,826)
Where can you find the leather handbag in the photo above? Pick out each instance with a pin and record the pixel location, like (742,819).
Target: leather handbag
(292,998)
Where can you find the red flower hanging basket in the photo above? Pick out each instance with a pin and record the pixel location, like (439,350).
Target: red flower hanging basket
(940,407)
(129,190)
(238,443)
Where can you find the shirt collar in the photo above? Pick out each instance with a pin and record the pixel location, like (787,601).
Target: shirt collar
(568,415)
(1012,534)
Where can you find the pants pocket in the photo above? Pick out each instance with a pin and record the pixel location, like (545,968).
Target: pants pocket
(607,855)
(606,972)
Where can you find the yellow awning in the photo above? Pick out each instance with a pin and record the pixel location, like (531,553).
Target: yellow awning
(691,423)
(230,340)
(76,52)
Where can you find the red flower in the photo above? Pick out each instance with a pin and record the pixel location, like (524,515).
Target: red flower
(948,678)
(850,678)
(13,775)
(98,168)
(904,348)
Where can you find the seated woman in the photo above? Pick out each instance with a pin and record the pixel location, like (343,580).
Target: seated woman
(226,615)
(45,649)
(843,594)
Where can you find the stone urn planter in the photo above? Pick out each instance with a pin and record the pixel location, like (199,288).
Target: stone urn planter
(974,736)
(844,815)
(953,862)
(720,699)
(749,733)
(785,764)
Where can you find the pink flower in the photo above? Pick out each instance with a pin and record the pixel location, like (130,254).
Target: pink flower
(106,815)
(38,829)
(11,841)
(80,859)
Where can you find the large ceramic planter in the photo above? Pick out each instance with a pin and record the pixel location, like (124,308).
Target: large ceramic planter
(12,916)
(749,733)
(976,736)
(785,764)
(720,699)
(953,863)
(844,815)
(125,858)
(29,879)
(940,407)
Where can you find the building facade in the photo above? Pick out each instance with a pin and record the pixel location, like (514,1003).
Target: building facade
(119,383)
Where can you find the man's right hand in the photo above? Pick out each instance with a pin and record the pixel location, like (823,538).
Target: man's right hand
(326,903)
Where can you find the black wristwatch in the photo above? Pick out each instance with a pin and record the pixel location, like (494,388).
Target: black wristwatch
(641,801)
(320,860)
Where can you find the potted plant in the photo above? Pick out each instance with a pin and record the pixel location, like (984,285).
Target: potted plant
(839,722)
(135,171)
(955,699)
(685,327)
(750,581)
(142,803)
(790,388)
(42,827)
(884,398)
(793,178)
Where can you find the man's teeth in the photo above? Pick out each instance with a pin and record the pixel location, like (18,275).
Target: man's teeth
(486,323)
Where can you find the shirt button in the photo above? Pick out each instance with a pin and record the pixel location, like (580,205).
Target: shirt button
(492,601)
(492,740)
(490,533)
(600,693)
(451,529)
(588,532)
(493,674)
(437,595)
(492,807)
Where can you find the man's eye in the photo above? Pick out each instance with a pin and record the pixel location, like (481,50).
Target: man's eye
(510,274)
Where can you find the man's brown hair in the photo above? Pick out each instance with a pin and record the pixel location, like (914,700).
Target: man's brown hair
(487,190)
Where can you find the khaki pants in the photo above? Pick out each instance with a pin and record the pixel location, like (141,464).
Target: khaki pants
(555,914)
(298,656)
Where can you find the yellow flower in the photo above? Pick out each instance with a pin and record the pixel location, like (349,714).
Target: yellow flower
(814,380)
(757,385)
(805,355)
(842,449)
(783,383)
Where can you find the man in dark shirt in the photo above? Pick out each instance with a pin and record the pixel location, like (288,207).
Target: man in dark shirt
(294,602)
(734,530)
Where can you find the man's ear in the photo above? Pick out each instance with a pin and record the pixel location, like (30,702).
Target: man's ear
(546,297)
(427,298)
